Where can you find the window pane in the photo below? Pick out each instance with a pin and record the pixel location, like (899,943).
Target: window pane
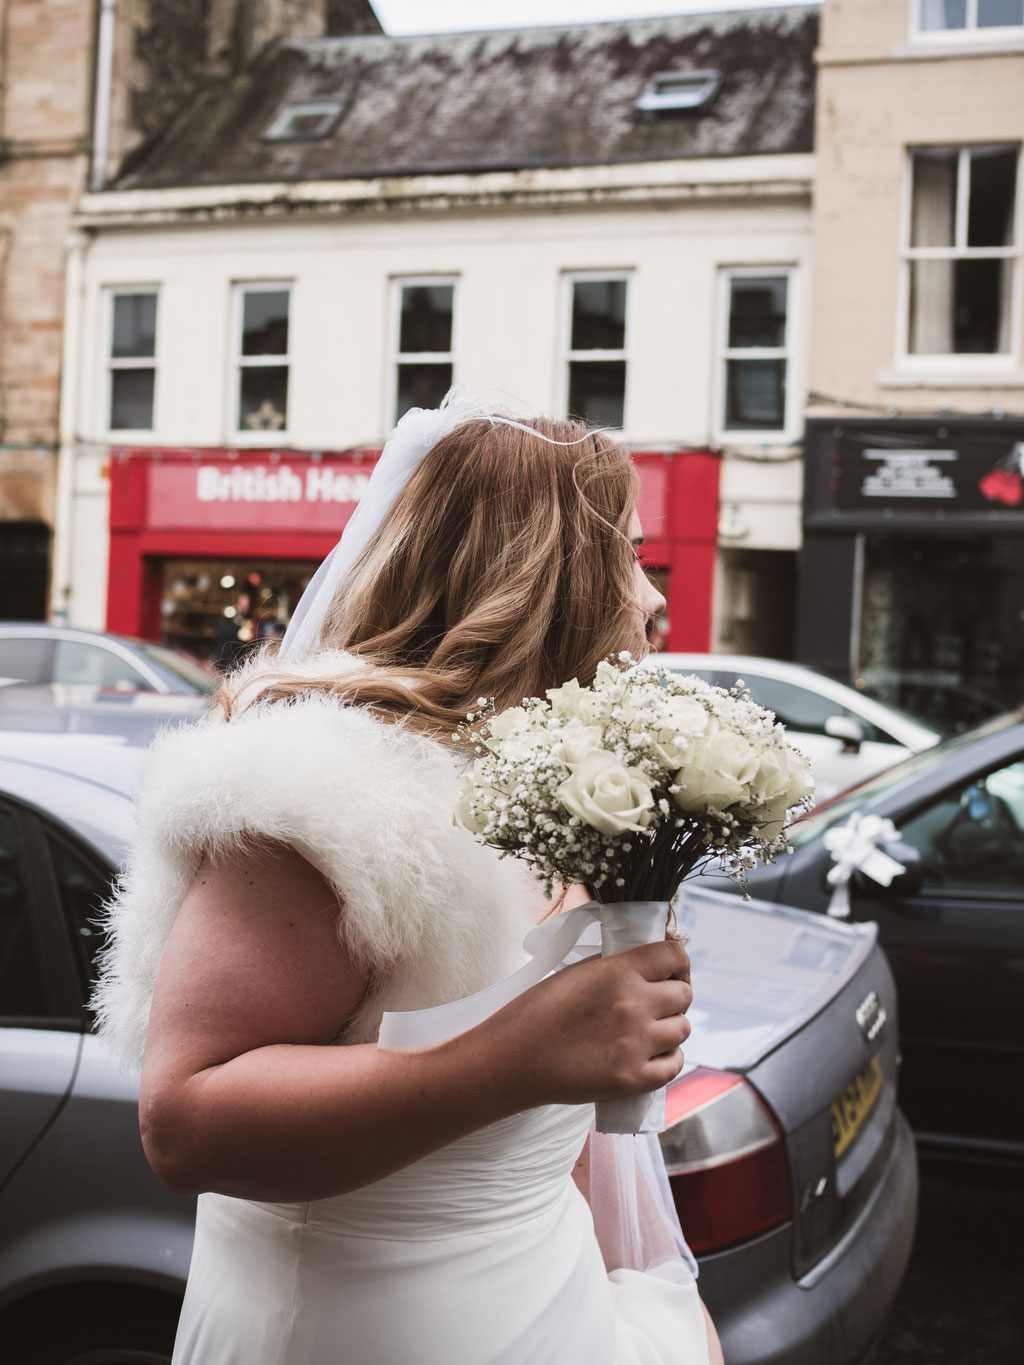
(76,662)
(931,307)
(597,391)
(993,194)
(995,13)
(598,315)
(755,395)
(263,398)
(971,838)
(265,322)
(933,210)
(426,322)
(134,326)
(21,987)
(757,311)
(26,660)
(83,889)
(940,14)
(981,317)
(797,707)
(421,386)
(131,400)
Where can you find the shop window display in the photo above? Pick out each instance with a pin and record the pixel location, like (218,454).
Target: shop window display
(942,631)
(219,609)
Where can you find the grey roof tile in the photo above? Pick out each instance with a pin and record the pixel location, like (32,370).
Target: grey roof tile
(510,99)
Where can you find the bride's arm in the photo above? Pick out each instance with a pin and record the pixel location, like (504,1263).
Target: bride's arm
(241,1092)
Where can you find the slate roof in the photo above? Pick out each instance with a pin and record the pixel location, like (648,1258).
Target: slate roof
(509,99)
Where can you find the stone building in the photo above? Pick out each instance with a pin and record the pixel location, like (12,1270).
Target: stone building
(85,87)
(913,558)
(611,219)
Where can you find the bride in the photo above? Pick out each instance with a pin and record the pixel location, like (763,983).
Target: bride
(296,875)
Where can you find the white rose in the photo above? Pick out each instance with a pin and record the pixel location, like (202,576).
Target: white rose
(607,795)
(463,812)
(720,773)
(772,778)
(510,722)
(684,722)
(801,779)
(773,814)
(565,700)
(575,743)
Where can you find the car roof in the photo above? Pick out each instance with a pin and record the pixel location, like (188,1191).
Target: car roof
(904,728)
(108,761)
(80,767)
(46,628)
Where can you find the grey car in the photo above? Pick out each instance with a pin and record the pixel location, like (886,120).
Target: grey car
(792,1167)
(39,654)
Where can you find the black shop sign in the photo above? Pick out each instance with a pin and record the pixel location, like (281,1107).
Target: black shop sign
(872,473)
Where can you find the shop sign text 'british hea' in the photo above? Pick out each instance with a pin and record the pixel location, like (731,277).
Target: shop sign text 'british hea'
(303,494)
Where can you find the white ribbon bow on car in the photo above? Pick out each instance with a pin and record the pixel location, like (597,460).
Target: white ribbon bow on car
(857,845)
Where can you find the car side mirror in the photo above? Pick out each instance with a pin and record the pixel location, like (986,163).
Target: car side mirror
(906,883)
(848,730)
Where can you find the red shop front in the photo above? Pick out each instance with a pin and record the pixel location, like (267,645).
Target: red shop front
(199,536)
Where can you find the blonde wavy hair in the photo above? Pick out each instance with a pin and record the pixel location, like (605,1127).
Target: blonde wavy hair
(504,568)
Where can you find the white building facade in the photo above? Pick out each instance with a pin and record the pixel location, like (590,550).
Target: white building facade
(257,337)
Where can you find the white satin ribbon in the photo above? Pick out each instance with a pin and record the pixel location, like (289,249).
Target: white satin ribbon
(856,846)
(550,945)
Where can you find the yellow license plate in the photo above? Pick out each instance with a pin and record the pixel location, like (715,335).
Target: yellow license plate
(854,1104)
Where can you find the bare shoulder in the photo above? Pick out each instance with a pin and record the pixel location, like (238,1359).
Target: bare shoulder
(254,959)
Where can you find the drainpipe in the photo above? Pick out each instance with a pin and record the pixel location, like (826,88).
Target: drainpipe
(104,81)
(76,245)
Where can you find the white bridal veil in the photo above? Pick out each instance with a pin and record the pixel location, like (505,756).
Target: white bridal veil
(634,1213)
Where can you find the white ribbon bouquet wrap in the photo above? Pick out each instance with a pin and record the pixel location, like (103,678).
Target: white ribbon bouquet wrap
(627,787)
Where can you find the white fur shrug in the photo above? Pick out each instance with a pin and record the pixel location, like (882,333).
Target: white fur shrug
(427,910)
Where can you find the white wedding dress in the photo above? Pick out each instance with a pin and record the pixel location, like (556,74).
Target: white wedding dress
(483,1253)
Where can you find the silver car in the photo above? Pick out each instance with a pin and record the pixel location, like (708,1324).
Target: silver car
(847,736)
(35,653)
(792,1167)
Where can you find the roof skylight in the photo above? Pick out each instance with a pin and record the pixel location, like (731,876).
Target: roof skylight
(679,90)
(305,122)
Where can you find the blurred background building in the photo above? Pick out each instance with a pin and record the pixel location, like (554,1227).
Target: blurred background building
(612,219)
(85,86)
(912,580)
(758,250)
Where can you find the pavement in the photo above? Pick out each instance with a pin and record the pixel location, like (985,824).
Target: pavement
(962,1301)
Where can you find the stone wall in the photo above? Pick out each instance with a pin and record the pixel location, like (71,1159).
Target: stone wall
(165,50)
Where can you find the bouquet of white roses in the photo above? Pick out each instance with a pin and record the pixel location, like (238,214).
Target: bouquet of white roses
(627,787)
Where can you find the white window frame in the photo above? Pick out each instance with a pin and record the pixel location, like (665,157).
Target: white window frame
(790,430)
(112,363)
(398,357)
(969,34)
(243,435)
(957,362)
(570,278)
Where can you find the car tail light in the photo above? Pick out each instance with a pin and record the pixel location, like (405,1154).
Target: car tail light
(725,1158)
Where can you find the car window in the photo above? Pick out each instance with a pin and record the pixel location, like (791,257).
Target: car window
(83,888)
(972,837)
(798,708)
(26,658)
(21,987)
(183,667)
(77,662)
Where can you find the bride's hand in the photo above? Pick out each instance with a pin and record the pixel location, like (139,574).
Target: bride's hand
(603,1029)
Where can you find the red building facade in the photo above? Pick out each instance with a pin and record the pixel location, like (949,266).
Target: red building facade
(199,535)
